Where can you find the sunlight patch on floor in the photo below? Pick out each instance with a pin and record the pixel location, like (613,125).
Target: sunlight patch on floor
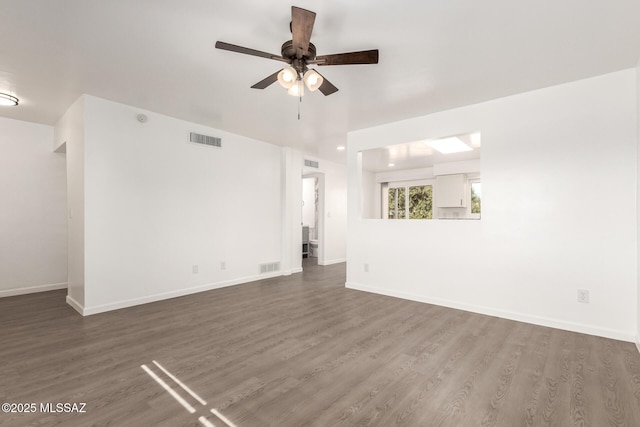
(173,393)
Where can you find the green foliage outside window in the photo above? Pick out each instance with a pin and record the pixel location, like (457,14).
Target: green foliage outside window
(397,203)
(476,197)
(420,202)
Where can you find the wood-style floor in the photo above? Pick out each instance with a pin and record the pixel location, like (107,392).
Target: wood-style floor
(304,351)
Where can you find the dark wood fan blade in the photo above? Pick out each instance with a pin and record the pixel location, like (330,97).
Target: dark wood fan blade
(248,51)
(327,88)
(362,57)
(302,21)
(267,81)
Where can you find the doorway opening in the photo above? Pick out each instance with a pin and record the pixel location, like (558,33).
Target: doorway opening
(313,218)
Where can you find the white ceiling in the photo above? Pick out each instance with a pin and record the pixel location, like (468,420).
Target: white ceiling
(434,55)
(417,155)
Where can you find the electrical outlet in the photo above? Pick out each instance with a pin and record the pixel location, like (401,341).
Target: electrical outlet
(366,267)
(223,265)
(583,296)
(195,269)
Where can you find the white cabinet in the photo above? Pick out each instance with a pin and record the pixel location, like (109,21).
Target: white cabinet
(451,191)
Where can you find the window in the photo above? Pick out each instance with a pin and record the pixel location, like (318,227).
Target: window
(400,180)
(421,202)
(418,204)
(476,198)
(397,203)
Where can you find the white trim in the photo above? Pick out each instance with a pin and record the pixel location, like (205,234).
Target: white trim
(404,175)
(75,305)
(32,289)
(638,343)
(628,336)
(470,182)
(292,271)
(87,311)
(412,183)
(332,261)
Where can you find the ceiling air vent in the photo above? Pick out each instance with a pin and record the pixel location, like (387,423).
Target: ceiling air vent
(205,139)
(311,163)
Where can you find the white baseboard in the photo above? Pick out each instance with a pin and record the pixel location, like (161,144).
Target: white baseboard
(332,261)
(75,304)
(628,336)
(292,271)
(638,343)
(87,311)
(32,289)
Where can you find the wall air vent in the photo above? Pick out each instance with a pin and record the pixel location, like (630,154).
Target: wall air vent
(311,163)
(205,139)
(269,267)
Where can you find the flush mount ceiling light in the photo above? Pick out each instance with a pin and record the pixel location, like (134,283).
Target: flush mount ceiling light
(449,145)
(8,100)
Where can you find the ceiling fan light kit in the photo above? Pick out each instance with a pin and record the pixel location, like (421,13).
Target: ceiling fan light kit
(297,89)
(287,77)
(299,53)
(312,80)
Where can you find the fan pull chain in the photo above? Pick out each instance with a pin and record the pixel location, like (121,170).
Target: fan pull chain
(299,104)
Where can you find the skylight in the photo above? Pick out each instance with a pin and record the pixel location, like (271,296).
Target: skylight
(449,145)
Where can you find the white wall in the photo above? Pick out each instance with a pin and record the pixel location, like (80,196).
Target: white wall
(638,197)
(371,199)
(291,213)
(33,243)
(309,202)
(69,133)
(157,205)
(559,212)
(335,211)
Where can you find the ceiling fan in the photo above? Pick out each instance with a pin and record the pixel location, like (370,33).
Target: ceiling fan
(299,53)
